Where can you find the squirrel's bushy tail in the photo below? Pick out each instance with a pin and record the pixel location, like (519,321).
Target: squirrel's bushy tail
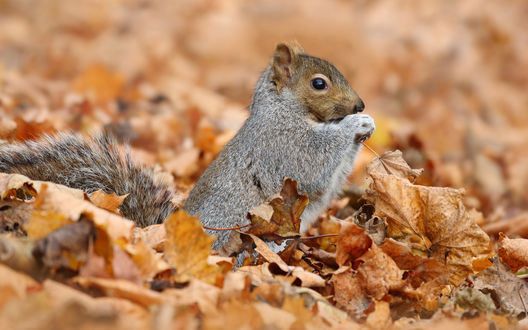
(91,164)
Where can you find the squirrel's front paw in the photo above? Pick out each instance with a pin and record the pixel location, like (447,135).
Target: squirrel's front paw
(362,125)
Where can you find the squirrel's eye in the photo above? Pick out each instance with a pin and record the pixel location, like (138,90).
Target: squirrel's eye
(318,83)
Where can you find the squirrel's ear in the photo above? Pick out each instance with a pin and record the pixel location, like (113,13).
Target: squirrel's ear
(285,56)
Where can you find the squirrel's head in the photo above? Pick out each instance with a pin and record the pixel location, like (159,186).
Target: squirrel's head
(317,84)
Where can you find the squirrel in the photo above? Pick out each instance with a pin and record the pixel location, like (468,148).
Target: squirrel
(304,124)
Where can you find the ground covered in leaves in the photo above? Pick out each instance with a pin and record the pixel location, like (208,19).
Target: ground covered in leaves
(430,232)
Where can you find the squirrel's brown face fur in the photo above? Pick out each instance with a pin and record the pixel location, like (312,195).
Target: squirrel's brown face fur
(317,84)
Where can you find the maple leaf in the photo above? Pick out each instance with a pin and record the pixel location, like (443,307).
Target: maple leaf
(391,162)
(281,217)
(187,248)
(435,216)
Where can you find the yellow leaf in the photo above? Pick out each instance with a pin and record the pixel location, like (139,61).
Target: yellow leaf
(187,248)
(109,202)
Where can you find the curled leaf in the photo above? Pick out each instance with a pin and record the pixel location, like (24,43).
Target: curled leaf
(287,209)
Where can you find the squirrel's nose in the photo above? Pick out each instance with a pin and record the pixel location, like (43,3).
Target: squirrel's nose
(360,106)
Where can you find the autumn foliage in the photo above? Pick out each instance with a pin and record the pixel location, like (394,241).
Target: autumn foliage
(430,233)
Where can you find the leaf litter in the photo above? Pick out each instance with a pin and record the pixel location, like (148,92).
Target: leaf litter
(407,254)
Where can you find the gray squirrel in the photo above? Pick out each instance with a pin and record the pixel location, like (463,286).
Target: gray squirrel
(304,124)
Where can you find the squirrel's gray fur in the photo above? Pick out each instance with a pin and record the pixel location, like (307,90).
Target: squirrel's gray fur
(293,130)
(92,164)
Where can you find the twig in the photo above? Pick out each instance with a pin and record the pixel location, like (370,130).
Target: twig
(319,236)
(225,229)
(522,300)
(372,150)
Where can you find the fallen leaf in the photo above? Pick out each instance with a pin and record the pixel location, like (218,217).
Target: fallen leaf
(380,318)
(379,274)
(423,269)
(352,243)
(349,294)
(124,289)
(436,216)
(14,285)
(109,202)
(513,252)
(187,248)
(154,236)
(275,318)
(509,293)
(286,218)
(206,296)
(18,254)
(307,279)
(67,246)
(234,314)
(57,305)
(392,162)
(266,253)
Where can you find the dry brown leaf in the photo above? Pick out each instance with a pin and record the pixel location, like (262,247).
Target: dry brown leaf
(95,265)
(30,130)
(154,236)
(146,259)
(266,253)
(234,314)
(297,306)
(274,318)
(423,268)
(55,199)
(513,252)
(307,279)
(378,274)
(109,202)
(352,243)
(349,294)
(18,254)
(16,186)
(67,246)
(509,293)
(14,285)
(437,216)
(42,223)
(286,218)
(206,296)
(187,248)
(391,162)
(124,267)
(257,274)
(55,305)
(380,318)
(124,289)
